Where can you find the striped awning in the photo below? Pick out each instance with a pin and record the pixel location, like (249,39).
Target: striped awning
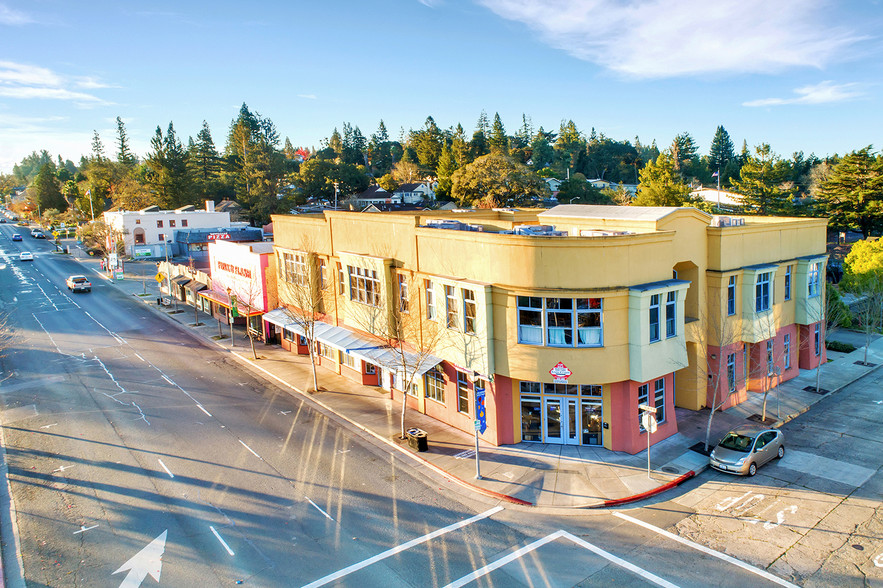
(223,300)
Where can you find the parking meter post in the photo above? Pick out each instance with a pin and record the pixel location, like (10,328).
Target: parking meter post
(477,463)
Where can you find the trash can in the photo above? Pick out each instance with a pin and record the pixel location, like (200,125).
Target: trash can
(418,440)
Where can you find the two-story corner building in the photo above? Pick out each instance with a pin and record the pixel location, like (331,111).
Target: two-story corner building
(149,233)
(568,319)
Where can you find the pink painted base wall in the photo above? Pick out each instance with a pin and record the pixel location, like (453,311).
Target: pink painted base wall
(624,421)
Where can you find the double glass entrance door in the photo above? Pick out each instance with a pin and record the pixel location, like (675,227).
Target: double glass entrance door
(572,421)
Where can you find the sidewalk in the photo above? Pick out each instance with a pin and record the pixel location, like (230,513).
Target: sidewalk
(527,473)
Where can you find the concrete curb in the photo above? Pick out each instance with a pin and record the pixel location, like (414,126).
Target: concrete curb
(644,495)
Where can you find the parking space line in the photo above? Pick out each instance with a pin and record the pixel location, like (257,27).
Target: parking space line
(398,549)
(649,576)
(708,551)
(316,506)
(221,539)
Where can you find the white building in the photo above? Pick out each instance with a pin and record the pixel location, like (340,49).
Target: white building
(719,197)
(145,232)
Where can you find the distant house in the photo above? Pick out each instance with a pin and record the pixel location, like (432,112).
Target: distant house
(231,206)
(600,184)
(554,184)
(373,195)
(413,192)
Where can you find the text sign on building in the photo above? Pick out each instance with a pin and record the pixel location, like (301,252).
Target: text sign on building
(560,372)
(216,236)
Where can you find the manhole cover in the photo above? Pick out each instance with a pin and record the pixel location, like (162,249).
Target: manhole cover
(669,470)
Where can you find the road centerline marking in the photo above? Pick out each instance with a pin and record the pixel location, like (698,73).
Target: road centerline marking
(250,449)
(398,549)
(316,506)
(200,407)
(221,539)
(707,550)
(171,475)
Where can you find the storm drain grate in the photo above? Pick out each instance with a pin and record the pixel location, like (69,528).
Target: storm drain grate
(669,470)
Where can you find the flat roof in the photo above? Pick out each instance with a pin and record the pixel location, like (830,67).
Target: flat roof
(611,211)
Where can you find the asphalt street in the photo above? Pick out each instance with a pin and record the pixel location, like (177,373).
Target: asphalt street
(140,455)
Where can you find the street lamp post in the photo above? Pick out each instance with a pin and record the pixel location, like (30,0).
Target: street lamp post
(336,187)
(169,273)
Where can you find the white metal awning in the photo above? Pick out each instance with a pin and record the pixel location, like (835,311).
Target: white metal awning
(358,345)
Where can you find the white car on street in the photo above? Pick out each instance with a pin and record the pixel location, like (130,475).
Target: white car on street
(26,256)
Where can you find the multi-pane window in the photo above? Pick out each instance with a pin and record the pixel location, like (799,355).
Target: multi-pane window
(462,393)
(788,283)
(159,224)
(183,222)
(565,389)
(670,312)
(341,280)
(731,296)
(659,399)
(531,387)
(815,270)
(161,237)
(349,361)
(643,398)
(434,383)
(731,372)
(172,223)
(762,292)
(294,268)
(530,320)
(787,344)
(469,311)
(403,292)
(451,311)
(817,339)
(323,283)
(430,300)
(654,317)
(364,286)
(769,357)
(560,322)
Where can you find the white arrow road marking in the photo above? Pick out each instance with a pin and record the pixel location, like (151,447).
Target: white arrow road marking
(84,528)
(221,539)
(328,516)
(48,426)
(146,561)
(62,468)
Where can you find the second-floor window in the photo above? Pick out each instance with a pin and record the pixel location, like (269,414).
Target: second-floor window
(403,293)
(159,224)
(341,280)
(451,311)
(670,312)
(731,296)
(788,283)
(430,300)
(654,318)
(813,279)
(183,222)
(762,292)
(172,223)
(323,282)
(469,311)
(364,286)
(294,269)
(560,322)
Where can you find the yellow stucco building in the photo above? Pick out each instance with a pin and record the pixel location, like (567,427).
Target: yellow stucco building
(565,319)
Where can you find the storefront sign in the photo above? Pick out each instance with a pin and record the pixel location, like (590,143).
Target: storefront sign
(142,252)
(560,372)
(216,236)
(234,269)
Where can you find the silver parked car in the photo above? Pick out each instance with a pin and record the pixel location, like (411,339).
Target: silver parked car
(743,450)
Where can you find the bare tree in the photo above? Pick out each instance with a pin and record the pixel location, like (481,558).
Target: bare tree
(720,332)
(304,291)
(868,308)
(250,292)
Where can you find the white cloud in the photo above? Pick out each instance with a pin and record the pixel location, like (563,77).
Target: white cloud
(430,3)
(308,96)
(668,38)
(23,81)
(821,93)
(12,17)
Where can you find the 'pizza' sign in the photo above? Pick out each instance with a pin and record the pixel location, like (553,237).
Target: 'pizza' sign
(560,372)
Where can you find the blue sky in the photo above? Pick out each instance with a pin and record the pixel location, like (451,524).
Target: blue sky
(798,74)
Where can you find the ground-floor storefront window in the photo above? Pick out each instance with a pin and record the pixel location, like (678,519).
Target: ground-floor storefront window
(569,414)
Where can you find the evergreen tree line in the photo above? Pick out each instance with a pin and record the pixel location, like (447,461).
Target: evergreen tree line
(490,167)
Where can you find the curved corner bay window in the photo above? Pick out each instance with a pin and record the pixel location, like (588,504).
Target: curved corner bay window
(560,322)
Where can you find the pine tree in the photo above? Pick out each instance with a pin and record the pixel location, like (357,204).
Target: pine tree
(460,146)
(479,145)
(46,191)
(97,147)
(761,184)
(542,152)
(721,151)
(124,154)
(427,144)
(852,195)
(661,184)
(498,141)
(447,165)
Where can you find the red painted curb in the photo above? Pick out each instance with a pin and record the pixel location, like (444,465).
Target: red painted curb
(648,493)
